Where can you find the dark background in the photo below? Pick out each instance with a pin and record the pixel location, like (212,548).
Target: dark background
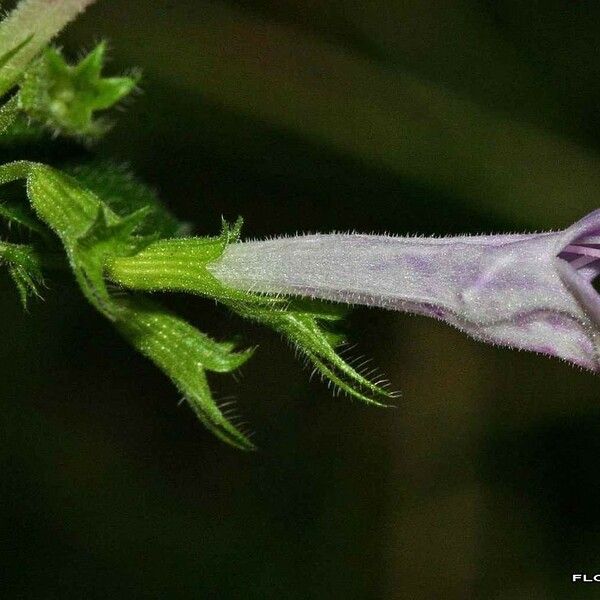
(304,115)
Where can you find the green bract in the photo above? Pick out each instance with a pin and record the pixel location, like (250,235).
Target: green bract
(24,266)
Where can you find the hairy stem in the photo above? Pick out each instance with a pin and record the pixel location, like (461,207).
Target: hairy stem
(41,20)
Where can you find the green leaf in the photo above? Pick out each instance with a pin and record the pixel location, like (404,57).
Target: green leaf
(183,353)
(5,58)
(25,268)
(124,194)
(66,97)
(8,76)
(8,114)
(20,215)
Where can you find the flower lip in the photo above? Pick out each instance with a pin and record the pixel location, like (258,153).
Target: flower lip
(578,262)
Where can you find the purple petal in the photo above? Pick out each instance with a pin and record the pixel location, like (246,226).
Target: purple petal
(529,291)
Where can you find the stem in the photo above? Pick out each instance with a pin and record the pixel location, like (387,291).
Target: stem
(41,20)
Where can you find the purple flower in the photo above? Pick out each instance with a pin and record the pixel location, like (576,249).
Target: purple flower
(528,291)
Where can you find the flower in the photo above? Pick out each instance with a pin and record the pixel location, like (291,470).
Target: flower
(529,291)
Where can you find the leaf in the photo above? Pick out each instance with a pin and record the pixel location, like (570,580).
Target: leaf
(183,353)
(24,266)
(18,214)
(124,194)
(5,58)
(8,114)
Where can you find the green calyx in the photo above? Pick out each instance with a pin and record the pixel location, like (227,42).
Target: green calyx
(181,265)
(65,97)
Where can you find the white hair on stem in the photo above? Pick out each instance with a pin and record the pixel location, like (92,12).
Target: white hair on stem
(40,20)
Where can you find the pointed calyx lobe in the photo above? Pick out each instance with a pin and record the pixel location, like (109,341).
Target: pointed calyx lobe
(66,97)
(527,291)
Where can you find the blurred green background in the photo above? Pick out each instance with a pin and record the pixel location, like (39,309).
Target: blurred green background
(302,115)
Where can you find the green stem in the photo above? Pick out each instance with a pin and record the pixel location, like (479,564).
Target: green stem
(40,20)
